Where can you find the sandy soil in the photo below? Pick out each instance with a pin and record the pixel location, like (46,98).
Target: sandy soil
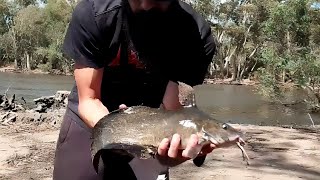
(27,152)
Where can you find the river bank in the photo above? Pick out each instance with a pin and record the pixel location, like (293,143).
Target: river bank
(27,152)
(11,69)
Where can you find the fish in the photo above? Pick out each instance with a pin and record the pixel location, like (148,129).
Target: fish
(138,130)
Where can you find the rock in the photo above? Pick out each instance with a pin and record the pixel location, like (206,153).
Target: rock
(65,101)
(49,109)
(43,103)
(19,107)
(1,98)
(26,117)
(41,108)
(48,103)
(45,99)
(61,98)
(37,117)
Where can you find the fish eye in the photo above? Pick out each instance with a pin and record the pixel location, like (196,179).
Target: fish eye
(225,126)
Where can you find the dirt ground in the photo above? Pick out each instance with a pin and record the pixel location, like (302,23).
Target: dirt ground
(27,153)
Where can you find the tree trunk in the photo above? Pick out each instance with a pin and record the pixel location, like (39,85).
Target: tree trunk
(239,69)
(221,67)
(227,71)
(16,63)
(220,53)
(28,61)
(288,51)
(234,68)
(229,59)
(242,73)
(288,41)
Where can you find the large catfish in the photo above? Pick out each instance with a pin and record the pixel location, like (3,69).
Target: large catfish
(138,130)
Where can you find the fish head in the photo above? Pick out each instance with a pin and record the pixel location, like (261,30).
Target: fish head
(222,134)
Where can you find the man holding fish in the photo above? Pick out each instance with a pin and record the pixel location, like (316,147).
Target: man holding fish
(127,53)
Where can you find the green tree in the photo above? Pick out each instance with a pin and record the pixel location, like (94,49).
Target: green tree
(26,34)
(4,13)
(57,16)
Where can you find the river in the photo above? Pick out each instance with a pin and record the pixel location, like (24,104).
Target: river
(229,103)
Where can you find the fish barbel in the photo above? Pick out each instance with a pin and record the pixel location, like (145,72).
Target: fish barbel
(138,130)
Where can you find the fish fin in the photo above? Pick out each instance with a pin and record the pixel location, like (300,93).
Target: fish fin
(161,107)
(104,155)
(199,160)
(148,152)
(96,161)
(244,153)
(151,152)
(186,95)
(202,139)
(129,110)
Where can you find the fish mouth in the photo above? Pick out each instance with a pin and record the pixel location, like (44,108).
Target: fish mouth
(220,142)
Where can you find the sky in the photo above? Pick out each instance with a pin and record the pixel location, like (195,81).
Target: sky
(316,5)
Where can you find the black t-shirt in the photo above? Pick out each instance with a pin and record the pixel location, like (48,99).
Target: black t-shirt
(176,45)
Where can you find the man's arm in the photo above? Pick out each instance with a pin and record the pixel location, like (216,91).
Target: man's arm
(171,97)
(88,82)
(84,43)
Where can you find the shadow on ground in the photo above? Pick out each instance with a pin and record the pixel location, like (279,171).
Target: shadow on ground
(281,154)
(35,165)
(288,156)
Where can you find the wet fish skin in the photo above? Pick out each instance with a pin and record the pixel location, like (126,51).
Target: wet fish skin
(137,130)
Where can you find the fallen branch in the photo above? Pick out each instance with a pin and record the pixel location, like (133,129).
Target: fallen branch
(311,120)
(4,116)
(5,93)
(12,118)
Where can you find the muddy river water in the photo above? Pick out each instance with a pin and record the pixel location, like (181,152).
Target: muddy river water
(230,103)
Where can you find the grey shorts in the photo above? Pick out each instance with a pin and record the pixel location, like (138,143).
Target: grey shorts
(73,158)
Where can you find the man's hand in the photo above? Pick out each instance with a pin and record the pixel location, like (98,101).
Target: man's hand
(123,106)
(169,150)
(170,154)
